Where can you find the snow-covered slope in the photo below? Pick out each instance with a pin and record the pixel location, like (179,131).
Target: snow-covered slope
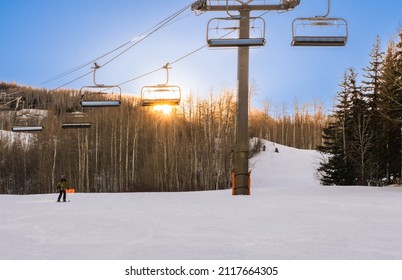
(288,216)
(288,167)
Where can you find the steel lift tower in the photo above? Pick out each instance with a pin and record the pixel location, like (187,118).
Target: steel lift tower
(242,28)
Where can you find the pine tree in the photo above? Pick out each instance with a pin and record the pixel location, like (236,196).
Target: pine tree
(337,167)
(360,131)
(390,108)
(371,88)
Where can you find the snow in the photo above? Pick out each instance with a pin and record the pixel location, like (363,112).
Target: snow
(289,216)
(24,138)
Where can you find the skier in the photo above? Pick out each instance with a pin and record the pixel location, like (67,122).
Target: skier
(63,185)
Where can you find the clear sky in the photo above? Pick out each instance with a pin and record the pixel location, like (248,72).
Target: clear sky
(41,39)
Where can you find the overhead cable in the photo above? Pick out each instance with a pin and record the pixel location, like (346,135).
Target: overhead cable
(133,42)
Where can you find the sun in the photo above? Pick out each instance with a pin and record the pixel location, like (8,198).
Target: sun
(165,109)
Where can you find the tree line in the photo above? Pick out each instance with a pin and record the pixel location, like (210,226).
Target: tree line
(135,149)
(362,138)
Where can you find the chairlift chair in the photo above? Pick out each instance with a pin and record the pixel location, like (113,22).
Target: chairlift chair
(319,32)
(26,122)
(75,120)
(99,98)
(225,32)
(161,94)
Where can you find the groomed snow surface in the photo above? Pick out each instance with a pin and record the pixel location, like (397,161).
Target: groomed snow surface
(289,215)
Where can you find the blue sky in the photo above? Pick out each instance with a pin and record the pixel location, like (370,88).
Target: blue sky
(44,38)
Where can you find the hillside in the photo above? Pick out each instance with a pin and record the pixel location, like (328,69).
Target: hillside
(288,216)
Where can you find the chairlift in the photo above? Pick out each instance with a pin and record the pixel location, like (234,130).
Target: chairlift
(225,32)
(27,122)
(100,98)
(161,94)
(75,120)
(320,31)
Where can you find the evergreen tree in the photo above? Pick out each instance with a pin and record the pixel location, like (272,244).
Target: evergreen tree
(360,132)
(337,167)
(390,108)
(371,88)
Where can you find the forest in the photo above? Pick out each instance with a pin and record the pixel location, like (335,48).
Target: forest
(362,138)
(132,148)
(135,149)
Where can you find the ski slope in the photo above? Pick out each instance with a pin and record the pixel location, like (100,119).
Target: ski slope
(289,215)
